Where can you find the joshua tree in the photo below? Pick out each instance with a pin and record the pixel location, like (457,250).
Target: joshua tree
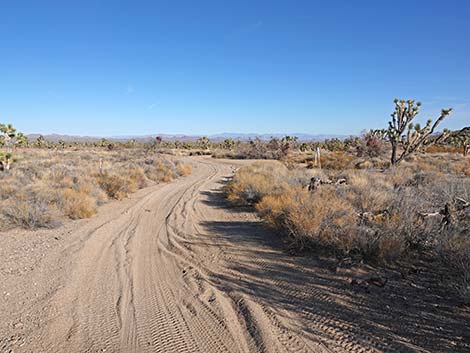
(257,149)
(203,143)
(41,141)
(286,144)
(9,138)
(335,144)
(229,143)
(414,138)
(103,142)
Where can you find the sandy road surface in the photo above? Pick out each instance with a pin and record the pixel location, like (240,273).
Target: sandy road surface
(174,270)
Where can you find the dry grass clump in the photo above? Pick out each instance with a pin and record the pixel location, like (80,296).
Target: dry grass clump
(183,169)
(116,186)
(221,153)
(309,222)
(45,187)
(337,160)
(377,216)
(437,148)
(448,163)
(77,204)
(165,171)
(252,183)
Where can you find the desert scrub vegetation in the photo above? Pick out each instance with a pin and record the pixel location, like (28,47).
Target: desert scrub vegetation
(383,217)
(45,187)
(9,139)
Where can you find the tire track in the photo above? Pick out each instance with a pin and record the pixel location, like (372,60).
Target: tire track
(173,270)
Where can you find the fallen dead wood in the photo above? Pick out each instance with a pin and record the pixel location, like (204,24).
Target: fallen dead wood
(448,212)
(316,182)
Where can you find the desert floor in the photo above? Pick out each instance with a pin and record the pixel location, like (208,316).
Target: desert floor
(175,269)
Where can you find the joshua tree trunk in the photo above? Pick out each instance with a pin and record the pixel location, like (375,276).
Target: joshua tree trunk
(394,153)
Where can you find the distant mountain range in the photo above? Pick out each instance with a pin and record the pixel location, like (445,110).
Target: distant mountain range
(181,137)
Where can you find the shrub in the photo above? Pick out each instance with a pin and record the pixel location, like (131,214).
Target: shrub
(183,169)
(78,205)
(136,177)
(72,183)
(161,171)
(321,219)
(115,186)
(28,212)
(337,160)
(372,145)
(374,214)
(253,182)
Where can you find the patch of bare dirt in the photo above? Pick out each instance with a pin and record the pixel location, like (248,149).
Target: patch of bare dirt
(174,269)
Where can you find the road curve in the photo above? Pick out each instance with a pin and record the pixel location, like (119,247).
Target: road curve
(174,270)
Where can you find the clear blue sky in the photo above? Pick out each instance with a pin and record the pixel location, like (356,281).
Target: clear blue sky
(203,67)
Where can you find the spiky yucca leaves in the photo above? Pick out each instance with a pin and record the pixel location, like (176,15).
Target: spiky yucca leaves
(403,133)
(228,144)
(8,135)
(9,138)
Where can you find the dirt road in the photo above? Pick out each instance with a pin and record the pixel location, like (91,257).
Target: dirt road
(173,269)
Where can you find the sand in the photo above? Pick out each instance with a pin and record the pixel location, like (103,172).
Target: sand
(175,269)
